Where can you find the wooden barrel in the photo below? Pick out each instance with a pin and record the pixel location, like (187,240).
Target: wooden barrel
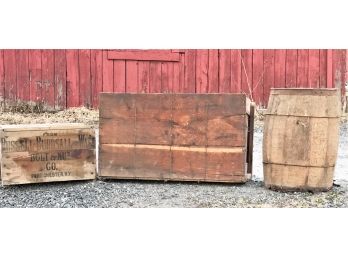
(300,139)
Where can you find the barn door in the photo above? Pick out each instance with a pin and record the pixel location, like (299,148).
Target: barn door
(145,71)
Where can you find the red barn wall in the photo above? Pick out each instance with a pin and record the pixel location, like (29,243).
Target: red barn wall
(69,78)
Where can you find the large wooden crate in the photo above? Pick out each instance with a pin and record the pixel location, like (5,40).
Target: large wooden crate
(47,153)
(187,137)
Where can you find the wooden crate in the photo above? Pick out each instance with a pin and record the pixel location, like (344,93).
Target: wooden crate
(46,153)
(187,137)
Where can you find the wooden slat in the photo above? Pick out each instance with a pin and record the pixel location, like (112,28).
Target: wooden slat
(35,70)
(236,71)
(339,69)
(280,68)
(329,66)
(181,71)
(150,55)
(225,71)
(2,79)
(108,73)
(165,77)
(213,71)
(143,76)
(60,79)
(22,64)
(190,71)
(176,75)
(202,59)
(258,75)
(291,68)
(302,68)
(155,79)
(10,76)
(119,76)
(269,74)
(96,75)
(313,68)
(72,78)
(131,76)
(185,163)
(47,85)
(85,87)
(323,68)
(247,71)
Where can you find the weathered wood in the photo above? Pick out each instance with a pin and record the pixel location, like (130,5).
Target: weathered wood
(145,55)
(301,139)
(47,153)
(174,136)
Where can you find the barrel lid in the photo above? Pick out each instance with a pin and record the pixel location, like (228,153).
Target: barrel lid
(304,91)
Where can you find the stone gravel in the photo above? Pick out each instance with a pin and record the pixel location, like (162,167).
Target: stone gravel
(114,194)
(132,194)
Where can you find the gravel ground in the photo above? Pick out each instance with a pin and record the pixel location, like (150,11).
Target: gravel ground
(112,193)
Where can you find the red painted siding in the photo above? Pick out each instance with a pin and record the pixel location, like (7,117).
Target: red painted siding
(68,78)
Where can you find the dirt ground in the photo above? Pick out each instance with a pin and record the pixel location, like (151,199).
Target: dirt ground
(116,193)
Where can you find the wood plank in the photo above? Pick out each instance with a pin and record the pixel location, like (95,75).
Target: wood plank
(236,71)
(35,70)
(225,71)
(329,66)
(60,79)
(72,78)
(269,74)
(96,75)
(22,64)
(247,72)
(119,76)
(280,68)
(339,70)
(257,75)
(47,83)
(85,87)
(314,68)
(131,76)
(117,119)
(181,84)
(302,68)
(10,77)
(250,139)
(190,71)
(155,78)
(153,119)
(213,71)
(165,77)
(291,68)
(144,55)
(323,68)
(108,73)
(143,76)
(2,80)
(202,59)
(176,74)
(46,154)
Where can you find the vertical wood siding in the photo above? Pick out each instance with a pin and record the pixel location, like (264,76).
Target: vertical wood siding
(67,78)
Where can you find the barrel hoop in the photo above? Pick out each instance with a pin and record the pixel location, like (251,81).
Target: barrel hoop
(290,115)
(298,165)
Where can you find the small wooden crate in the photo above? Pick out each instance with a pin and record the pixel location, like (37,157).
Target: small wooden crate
(186,137)
(38,153)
